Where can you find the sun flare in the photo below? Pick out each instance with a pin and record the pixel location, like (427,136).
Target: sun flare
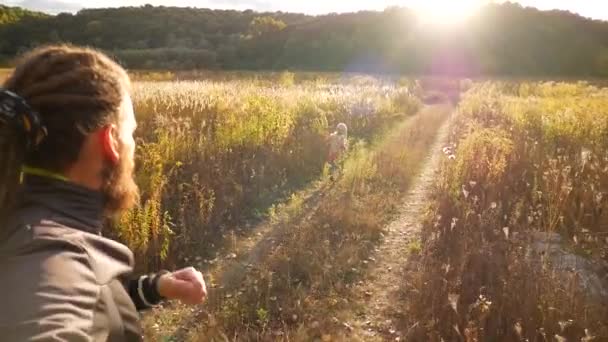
(445,12)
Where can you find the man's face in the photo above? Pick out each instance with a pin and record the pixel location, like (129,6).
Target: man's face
(119,188)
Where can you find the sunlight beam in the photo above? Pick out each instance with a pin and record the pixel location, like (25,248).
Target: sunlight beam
(444,12)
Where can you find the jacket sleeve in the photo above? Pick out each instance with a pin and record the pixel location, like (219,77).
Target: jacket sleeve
(144,291)
(48,293)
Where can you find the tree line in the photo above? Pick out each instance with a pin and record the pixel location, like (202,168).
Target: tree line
(500,39)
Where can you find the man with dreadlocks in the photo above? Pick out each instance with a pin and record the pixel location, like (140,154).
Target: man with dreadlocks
(66,164)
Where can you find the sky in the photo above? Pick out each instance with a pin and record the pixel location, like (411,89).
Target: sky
(597,9)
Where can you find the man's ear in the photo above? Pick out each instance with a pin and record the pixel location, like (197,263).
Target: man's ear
(109,144)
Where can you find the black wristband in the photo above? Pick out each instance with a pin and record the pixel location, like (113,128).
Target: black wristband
(144,291)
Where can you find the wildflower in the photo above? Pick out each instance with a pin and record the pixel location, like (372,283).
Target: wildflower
(598,197)
(588,336)
(465,192)
(454,221)
(453,299)
(518,328)
(564,324)
(484,303)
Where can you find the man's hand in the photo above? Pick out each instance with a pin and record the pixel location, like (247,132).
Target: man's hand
(186,285)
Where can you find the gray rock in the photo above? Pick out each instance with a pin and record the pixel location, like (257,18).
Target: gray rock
(547,250)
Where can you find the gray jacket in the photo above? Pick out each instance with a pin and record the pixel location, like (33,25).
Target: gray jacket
(60,279)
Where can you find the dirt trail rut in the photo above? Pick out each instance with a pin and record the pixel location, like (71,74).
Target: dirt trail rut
(378,293)
(230,271)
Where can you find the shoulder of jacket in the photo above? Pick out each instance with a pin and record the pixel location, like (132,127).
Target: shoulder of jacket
(106,258)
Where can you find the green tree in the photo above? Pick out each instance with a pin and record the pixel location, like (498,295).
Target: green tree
(602,62)
(264,25)
(500,39)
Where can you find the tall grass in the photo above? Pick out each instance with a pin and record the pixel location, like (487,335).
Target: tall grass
(213,155)
(516,236)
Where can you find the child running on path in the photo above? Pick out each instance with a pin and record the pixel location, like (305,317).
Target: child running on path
(338,144)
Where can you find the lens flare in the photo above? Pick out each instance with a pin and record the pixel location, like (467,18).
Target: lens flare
(445,12)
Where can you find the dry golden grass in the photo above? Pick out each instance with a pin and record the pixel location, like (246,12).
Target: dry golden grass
(213,156)
(516,238)
(321,236)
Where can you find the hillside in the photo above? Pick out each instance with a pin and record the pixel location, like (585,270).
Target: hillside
(502,40)
(10,15)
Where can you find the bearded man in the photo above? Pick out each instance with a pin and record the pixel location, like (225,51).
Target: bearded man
(66,165)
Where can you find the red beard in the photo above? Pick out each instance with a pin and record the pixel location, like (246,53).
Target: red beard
(119,188)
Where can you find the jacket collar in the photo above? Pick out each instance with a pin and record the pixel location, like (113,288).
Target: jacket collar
(71,204)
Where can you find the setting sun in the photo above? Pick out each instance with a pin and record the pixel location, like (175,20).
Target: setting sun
(444,12)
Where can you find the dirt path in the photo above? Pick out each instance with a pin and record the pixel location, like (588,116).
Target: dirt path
(229,270)
(378,293)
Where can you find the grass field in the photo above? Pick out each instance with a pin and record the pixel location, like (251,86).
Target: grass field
(214,156)
(233,177)
(222,160)
(519,208)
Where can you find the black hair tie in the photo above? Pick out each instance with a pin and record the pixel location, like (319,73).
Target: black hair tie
(15,111)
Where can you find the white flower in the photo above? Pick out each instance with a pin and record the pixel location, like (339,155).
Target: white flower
(598,197)
(465,192)
(585,154)
(454,221)
(453,299)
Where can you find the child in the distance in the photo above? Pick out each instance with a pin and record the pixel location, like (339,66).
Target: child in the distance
(338,144)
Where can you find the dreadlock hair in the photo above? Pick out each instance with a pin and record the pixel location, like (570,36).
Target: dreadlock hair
(75,91)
